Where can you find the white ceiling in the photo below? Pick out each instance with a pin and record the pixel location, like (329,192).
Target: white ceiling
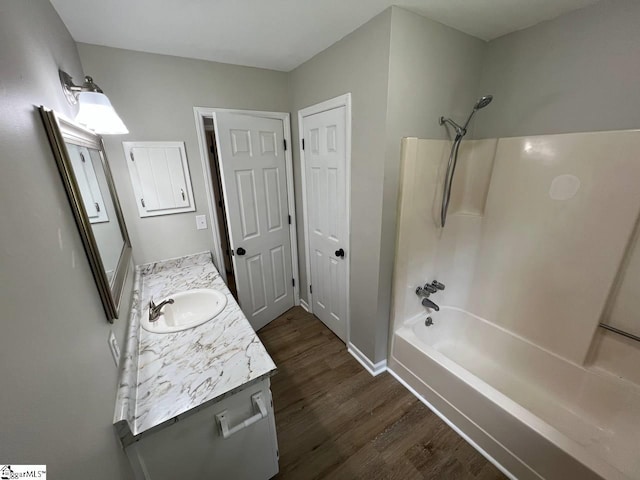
(277,34)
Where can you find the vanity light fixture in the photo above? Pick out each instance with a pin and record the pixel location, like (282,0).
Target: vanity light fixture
(96,111)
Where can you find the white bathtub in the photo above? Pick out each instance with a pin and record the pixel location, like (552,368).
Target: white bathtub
(536,414)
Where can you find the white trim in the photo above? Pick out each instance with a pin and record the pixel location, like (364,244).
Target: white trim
(468,439)
(304,305)
(340,101)
(202,112)
(373,368)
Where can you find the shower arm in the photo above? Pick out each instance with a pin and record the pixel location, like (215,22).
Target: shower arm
(459,130)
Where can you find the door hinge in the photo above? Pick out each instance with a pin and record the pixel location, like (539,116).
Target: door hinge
(131,156)
(303,143)
(289,219)
(213,149)
(293,282)
(82,158)
(285,144)
(97,206)
(142,202)
(232,254)
(310,289)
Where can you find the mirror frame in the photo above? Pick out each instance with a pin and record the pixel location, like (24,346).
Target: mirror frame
(60,132)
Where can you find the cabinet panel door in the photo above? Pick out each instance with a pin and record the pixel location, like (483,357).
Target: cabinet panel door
(160,178)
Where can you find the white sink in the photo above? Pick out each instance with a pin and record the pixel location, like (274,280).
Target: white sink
(189,309)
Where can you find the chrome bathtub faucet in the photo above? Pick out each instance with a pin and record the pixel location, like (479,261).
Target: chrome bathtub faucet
(427,290)
(156,310)
(429,304)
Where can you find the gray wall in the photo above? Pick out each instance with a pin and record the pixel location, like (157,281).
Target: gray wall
(155,95)
(576,73)
(358,64)
(434,70)
(397,67)
(57,375)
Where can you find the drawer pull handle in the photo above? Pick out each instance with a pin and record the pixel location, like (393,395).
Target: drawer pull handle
(257,400)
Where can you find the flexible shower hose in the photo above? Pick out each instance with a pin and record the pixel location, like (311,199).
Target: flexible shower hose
(448,181)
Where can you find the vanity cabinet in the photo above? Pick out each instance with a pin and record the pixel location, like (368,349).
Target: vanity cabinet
(195,447)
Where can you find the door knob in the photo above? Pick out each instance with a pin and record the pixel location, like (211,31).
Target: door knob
(240,251)
(340,253)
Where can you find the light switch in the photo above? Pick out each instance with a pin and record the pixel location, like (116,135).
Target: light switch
(201,222)
(115,349)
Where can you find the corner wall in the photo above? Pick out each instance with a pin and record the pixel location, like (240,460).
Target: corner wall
(358,64)
(576,73)
(57,375)
(434,70)
(397,67)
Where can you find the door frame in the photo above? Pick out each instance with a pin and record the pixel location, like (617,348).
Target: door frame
(336,102)
(200,113)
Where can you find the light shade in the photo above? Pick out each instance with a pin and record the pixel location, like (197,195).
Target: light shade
(97,114)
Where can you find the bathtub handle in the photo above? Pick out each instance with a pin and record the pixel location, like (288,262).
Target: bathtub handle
(422,292)
(430,288)
(438,285)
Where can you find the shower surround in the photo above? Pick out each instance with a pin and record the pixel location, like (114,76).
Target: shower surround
(538,249)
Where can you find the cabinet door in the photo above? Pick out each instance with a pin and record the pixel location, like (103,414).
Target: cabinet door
(194,447)
(160,177)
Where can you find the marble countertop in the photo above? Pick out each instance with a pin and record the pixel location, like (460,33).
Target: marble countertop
(166,375)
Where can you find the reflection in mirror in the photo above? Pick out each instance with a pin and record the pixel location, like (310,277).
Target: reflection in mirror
(87,167)
(86,176)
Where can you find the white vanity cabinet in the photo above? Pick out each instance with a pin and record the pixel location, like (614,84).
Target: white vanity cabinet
(195,447)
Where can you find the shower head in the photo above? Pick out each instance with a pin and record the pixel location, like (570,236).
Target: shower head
(483,102)
(462,131)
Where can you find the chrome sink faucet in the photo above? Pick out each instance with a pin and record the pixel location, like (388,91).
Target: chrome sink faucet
(156,310)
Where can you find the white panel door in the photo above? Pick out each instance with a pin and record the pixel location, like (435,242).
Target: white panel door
(252,163)
(325,171)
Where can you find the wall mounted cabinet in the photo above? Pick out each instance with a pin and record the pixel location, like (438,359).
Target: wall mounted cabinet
(160,177)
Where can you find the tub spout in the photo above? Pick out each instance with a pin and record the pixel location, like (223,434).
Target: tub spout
(428,303)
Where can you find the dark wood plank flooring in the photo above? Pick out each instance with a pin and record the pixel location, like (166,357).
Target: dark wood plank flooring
(335,421)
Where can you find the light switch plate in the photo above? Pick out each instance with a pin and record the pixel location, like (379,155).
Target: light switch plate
(115,349)
(201,222)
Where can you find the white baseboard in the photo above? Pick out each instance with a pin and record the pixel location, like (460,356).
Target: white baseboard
(373,368)
(452,425)
(304,305)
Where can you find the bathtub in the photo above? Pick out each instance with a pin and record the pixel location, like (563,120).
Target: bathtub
(533,413)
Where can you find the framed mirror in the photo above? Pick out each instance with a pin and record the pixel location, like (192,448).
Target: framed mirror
(87,179)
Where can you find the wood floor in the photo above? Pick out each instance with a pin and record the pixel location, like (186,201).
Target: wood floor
(335,421)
